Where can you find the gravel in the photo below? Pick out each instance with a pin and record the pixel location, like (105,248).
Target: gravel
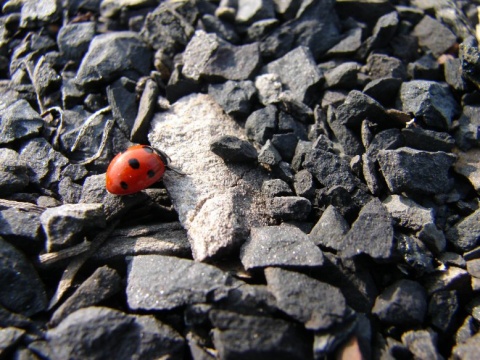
(321,197)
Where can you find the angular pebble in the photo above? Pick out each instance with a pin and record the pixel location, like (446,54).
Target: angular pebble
(101,285)
(371,233)
(19,226)
(465,234)
(358,107)
(276,187)
(319,306)
(422,344)
(330,229)
(19,121)
(237,336)
(402,303)
(262,124)
(269,155)
(409,170)
(289,207)
(13,172)
(22,289)
(235,97)
(74,39)
(434,36)
(467,350)
(407,213)
(65,225)
(217,204)
(233,149)
(468,165)
(428,140)
(156,282)
(279,246)
(431,101)
(113,53)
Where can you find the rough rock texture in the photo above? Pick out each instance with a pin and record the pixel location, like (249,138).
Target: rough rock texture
(216,203)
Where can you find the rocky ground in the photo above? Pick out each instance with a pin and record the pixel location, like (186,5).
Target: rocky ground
(329,206)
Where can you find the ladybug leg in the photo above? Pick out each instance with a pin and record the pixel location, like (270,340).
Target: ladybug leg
(166,159)
(175,170)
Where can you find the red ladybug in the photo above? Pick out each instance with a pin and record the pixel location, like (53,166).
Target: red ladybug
(135,169)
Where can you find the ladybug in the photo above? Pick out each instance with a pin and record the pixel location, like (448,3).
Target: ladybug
(135,169)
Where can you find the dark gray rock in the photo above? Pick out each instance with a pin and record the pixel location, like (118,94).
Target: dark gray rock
(349,45)
(260,29)
(416,171)
(451,278)
(407,213)
(430,101)
(385,140)
(442,310)
(269,155)
(465,234)
(347,138)
(285,144)
(279,246)
(111,54)
(428,140)
(209,57)
(287,8)
(166,28)
(22,289)
(249,11)
(452,70)
(371,233)
(101,285)
(157,282)
(79,334)
(262,124)
(233,149)
(73,39)
(290,207)
(303,85)
(329,169)
(276,187)
(330,229)
(13,172)
(123,101)
(319,306)
(69,192)
(114,206)
(434,36)
(382,34)
(383,66)
(342,76)
(402,303)
(303,147)
(179,86)
(470,57)
(146,110)
(45,79)
(238,336)
(371,174)
(235,97)
(66,225)
(434,238)
(466,133)
(466,330)
(358,107)
(418,259)
(19,121)
(20,226)
(304,184)
(384,90)
(422,344)
(425,68)
(222,29)
(291,122)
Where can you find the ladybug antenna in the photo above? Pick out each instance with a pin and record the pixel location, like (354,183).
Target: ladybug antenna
(166,159)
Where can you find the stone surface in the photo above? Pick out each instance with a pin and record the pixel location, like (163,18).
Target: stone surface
(19,121)
(358,107)
(442,310)
(468,165)
(465,234)
(317,305)
(289,207)
(407,213)
(409,170)
(209,57)
(402,303)
(276,187)
(303,85)
(371,233)
(330,229)
(74,39)
(279,246)
(235,97)
(217,204)
(156,282)
(233,149)
(432,102)
(66,225)
(422,344)
(428,140)
(13,172)
(22,289)
(434,36)
(102,284)
(111,54)
(20,226)
(237,336)
(261,124)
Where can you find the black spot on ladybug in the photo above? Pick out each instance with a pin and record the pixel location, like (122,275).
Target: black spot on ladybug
(134,163)
(124,185)
(150,173)
(148,149)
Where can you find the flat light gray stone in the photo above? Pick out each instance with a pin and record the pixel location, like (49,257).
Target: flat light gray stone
(279,246)
(468,165)
(157,282)
(217,204)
